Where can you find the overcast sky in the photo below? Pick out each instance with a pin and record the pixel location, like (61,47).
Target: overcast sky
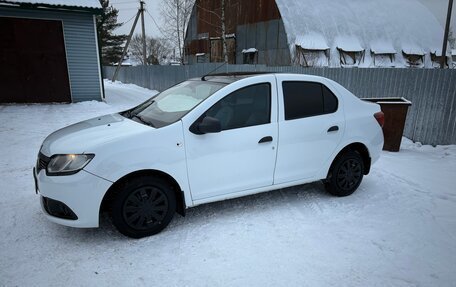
(128,8)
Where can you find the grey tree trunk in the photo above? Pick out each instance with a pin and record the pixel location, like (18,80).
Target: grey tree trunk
(225,49)
(178,15)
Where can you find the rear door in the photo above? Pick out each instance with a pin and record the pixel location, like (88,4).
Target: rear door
(242,156)
(311,126)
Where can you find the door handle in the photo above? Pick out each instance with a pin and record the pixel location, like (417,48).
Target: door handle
(333,129)
(265,140)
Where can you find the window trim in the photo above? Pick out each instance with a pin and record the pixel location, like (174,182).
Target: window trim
(332,93)
(245,87)
(315,115)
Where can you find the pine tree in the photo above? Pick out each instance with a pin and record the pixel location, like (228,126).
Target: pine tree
(111,44)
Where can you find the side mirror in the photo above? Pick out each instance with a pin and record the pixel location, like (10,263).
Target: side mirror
(207,125)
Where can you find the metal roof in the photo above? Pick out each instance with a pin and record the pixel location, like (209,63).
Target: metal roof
(355,25)
(63,4)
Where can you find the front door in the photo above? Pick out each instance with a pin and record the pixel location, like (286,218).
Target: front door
(242,156)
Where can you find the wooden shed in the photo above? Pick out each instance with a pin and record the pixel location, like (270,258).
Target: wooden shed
(49,51)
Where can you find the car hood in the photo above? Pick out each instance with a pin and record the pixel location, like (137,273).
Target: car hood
(85,136)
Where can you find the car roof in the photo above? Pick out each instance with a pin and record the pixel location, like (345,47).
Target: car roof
(228,78)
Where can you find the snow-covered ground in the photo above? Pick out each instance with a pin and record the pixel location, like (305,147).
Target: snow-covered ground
(398,229)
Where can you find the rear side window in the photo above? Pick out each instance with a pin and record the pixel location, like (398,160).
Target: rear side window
(329,100)
(307,99)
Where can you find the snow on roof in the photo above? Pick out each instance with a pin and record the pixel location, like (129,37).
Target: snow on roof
(438,52)
(312,41)
(367,20)
(413,49)
(348,44)
(95,4)
(380,47)
(250,50)
(200,54)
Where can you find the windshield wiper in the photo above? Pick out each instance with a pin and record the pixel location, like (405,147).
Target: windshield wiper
(136,110)
(142,120)
(126,114)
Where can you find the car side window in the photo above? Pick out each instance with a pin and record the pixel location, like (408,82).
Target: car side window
(307,99)
(249,106)
(329,100)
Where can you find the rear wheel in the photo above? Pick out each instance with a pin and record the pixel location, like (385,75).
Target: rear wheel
(143,207)
(345,175)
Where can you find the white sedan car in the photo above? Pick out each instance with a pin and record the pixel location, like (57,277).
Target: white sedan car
(205,140)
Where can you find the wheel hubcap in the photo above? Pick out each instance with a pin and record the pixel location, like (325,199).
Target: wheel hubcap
(145,207)
(349,174)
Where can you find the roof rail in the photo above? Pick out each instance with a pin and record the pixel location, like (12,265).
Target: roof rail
(234,74)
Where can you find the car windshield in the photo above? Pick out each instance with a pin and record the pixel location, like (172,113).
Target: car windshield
(172,104)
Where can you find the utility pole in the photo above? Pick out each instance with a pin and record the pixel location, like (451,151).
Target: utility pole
(445,37)
(140,12)
(143,32)
(126,46)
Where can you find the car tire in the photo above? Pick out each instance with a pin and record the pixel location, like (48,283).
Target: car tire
(144,206)
(345,175)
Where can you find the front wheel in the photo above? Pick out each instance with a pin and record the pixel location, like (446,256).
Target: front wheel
(345,175)
(143,207)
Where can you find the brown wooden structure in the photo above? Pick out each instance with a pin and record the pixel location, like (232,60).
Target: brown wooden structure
(248,24)
(292,32)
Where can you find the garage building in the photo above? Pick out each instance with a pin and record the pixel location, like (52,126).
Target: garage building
(49,51)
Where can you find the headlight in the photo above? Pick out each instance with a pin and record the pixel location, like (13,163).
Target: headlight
(66,164)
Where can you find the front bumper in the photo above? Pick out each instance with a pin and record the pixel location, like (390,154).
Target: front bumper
(82,193)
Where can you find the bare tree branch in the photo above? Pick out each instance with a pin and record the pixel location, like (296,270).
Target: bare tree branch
(209,11)
(219,30)
(177,14)
(158,51)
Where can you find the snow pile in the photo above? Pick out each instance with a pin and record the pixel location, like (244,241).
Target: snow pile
(348,44)
(405,21)
(312,42)
(413,49)
(380,47)
(70,3)
(383,53)
(250,50)
(398,229)
(438,52)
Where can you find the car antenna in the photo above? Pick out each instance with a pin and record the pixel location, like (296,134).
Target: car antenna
(203,78)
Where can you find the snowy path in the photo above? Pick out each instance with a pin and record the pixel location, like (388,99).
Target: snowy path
(398,229)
